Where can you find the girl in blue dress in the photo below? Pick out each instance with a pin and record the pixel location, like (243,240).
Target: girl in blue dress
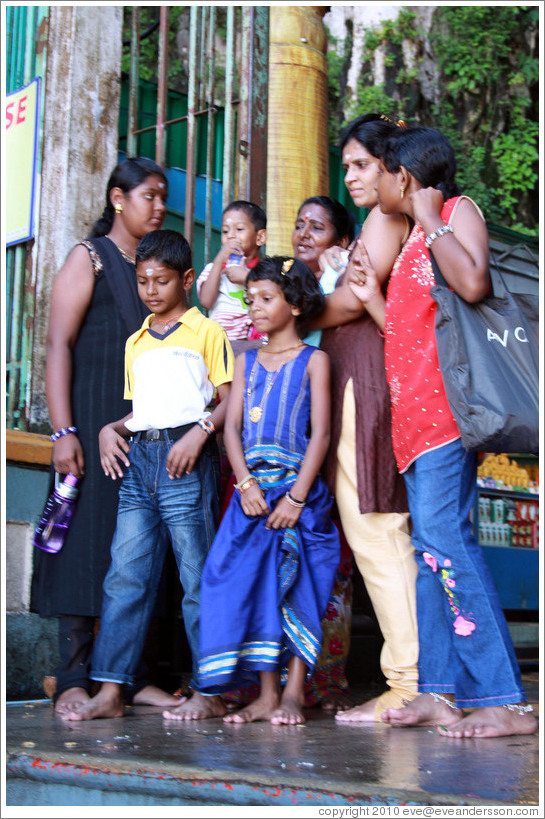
(269,573)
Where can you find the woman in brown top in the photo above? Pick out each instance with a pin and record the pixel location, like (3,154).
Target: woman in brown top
(360,467)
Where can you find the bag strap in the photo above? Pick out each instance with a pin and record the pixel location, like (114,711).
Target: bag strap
(440,279)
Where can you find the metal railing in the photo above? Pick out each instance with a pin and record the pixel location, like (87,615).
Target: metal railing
(240,171)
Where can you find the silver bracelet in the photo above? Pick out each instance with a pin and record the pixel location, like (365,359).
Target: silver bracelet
(294,502)
(437,233)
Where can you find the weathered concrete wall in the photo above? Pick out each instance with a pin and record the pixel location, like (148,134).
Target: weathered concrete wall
(80,136)
(81,115)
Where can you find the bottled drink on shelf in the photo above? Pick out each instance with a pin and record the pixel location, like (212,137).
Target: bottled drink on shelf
(55,520)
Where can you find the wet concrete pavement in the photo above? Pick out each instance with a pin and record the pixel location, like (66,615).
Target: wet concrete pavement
(145,760)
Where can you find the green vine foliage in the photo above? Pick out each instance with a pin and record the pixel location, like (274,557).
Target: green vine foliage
(483,96)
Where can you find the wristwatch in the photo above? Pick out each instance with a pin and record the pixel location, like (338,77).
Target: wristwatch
(207,425)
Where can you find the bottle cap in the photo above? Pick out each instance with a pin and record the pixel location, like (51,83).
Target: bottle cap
(68,488)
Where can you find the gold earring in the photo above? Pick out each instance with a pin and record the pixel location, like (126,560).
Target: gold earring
(118,208)
(402,191)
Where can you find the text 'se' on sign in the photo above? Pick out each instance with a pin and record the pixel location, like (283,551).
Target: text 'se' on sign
(22,109)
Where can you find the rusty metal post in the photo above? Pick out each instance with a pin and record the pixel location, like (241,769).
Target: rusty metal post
(132,124)
(253,107)
(201,71)
(162,90)
(229,128)
(210,93)
(191,157)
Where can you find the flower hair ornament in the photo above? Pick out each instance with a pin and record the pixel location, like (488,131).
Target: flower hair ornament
(286,266)
(399,124)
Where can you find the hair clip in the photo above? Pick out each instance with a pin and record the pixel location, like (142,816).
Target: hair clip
(399,124)
(286,266)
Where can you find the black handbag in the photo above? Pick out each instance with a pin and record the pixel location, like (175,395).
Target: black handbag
(489,358)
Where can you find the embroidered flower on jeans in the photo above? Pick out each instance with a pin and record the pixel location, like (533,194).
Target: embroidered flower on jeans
(463,627)
(450,582)
(430,560)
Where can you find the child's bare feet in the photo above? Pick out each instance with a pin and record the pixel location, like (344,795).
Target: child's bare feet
(496,721)
(198,707)
(71,699)
(106,704)
(424,710)
(290,712)
(260,709)
(151,695)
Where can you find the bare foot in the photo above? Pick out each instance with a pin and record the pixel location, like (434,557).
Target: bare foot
(496,721)
(372,710)
(198,707)
(290,712)
(151,695)
(335,702)
(361,713)
(106,704)
(260,709)
(71,699)
(422,711)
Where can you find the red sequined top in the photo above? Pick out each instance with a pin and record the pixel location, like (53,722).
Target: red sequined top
(421,415)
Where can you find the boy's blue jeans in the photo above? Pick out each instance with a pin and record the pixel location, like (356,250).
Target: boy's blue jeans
(150,502)
(465,645)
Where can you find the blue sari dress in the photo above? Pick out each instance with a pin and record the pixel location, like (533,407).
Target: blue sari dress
(264,592)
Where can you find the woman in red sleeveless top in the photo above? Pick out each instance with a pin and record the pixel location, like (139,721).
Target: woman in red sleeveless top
(466,659)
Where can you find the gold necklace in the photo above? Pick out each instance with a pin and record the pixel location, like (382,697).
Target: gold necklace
(263,349)
(124,253)
(256,411)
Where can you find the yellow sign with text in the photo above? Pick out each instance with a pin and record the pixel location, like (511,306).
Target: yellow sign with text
(21,149)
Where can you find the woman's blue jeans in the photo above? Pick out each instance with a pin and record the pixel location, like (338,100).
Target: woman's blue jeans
(465,644)
(149,503)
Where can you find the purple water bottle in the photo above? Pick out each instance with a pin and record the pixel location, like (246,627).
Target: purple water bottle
(59,508)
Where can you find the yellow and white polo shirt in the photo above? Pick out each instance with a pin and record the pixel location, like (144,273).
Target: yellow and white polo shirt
(171,379)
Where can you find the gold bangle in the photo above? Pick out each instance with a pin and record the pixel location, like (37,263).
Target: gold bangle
(246,478)
(246,484)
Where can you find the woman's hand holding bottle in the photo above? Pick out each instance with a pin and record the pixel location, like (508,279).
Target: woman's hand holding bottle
(68,456)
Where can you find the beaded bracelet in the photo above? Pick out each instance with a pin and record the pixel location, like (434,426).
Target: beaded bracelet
(63,431)
(294,502)
(437,233)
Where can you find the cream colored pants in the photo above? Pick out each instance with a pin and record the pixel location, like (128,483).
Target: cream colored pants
(385,557)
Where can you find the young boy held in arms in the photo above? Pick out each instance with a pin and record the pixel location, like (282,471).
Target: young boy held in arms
(220,286)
